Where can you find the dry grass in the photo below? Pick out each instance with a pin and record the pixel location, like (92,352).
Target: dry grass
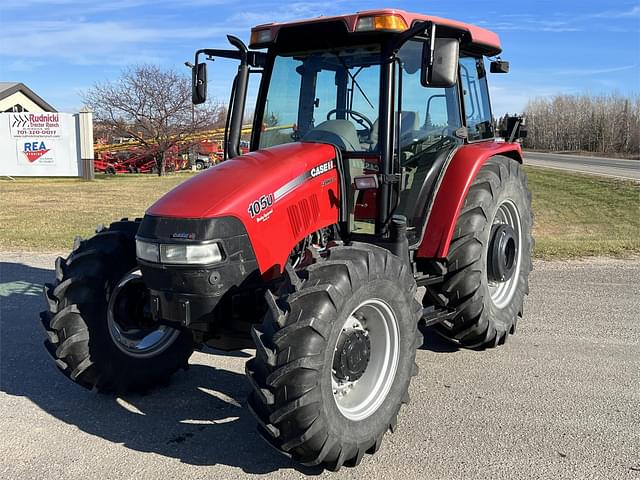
(46,214)
(575,215)
(584,215)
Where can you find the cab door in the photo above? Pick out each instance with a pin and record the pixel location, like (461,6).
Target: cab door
(429,129)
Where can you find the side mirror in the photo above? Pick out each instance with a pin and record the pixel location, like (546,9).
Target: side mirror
(499,66)
(440,63)
(199,83)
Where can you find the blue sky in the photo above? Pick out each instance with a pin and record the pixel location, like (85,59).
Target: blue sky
(61,47)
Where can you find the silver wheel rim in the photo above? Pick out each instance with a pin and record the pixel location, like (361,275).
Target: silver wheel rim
(142,342)
(359,399)
(501,293)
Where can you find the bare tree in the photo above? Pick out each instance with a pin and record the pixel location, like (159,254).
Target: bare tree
(151,105)
(603,124)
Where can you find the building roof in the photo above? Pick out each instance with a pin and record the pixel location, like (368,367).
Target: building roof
(486,40)
(9,88)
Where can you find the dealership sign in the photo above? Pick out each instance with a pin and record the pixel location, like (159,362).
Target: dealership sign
(29,125)
(36,136)
(38,144)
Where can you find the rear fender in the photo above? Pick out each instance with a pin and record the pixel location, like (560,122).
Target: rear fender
(452,191)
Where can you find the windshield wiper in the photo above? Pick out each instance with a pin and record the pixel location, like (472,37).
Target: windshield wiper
(353,79)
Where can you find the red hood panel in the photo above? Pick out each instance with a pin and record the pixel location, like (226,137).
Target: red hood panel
(281,195)
(229,187)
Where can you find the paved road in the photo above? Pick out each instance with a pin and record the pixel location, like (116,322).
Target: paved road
(612,167)
(560,400)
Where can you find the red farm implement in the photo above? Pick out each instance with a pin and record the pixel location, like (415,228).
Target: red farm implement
(137,160)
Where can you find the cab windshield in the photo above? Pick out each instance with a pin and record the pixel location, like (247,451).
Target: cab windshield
(333,96)
(329,96)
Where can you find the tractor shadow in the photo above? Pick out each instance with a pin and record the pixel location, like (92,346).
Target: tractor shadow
(199,419)
(433,342)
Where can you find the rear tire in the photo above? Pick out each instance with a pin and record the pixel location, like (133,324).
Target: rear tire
(300,407)
(488,311)
(79,325)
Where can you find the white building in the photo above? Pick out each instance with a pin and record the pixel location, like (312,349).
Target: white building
(17,97)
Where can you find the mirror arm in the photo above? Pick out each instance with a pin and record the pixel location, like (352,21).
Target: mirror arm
(233,125)
(252,58)
(419,28)
(432,48)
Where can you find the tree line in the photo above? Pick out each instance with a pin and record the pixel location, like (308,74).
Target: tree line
(601,124)
(154,106)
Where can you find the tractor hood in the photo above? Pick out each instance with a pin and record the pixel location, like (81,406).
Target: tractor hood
(280,194)
(230,187)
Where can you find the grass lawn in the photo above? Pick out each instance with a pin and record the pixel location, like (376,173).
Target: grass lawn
(584,215)
(575,215)
(47,214)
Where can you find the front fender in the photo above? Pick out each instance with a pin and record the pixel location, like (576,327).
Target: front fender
(452,191)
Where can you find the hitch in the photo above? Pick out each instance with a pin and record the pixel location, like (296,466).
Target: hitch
(433,315)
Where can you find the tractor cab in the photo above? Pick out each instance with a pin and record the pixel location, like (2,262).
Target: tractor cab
(395,93)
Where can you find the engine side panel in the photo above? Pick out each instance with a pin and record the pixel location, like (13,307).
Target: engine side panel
(452,191)
(280,194)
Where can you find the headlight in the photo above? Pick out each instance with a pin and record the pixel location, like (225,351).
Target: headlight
(147,251)
(178,253)
(190,254)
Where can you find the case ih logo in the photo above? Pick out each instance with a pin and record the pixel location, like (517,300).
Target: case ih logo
(34,150)
(322,168)
(184,235)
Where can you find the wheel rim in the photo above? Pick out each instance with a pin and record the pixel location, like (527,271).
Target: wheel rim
(129,322)
(501,292)
(359,399)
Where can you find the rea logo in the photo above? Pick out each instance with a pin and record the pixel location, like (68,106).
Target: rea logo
(34,150)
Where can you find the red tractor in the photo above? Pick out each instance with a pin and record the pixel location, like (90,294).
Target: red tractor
(375,197)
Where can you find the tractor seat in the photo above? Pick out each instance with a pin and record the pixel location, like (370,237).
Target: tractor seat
(340,133)
(410,122)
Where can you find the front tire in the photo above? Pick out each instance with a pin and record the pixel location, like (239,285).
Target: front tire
(335,355)
(490,257)
(98,331)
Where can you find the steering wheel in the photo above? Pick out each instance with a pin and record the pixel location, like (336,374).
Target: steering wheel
(360,118)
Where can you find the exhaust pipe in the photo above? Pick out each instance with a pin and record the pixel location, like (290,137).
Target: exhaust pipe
(233,128)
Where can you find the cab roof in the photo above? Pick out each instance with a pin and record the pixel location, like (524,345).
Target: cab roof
(473,38)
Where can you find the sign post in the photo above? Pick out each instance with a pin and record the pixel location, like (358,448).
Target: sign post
(86,143)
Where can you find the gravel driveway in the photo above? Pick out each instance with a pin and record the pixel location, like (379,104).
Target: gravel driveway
(560,400)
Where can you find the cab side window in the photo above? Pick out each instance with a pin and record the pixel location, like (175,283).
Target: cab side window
(477,110)
(430,117)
